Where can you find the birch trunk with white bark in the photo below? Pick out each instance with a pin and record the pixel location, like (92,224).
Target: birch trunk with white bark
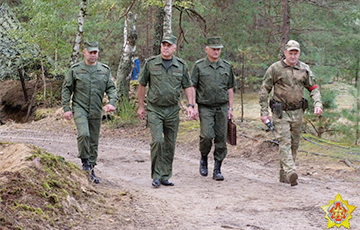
(124,72)
(76,49)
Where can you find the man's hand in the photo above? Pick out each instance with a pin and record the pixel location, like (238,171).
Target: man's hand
(192,113)
(318,111)
(264,118)
(68,115)
(230,114)
(109,108)
(141,113)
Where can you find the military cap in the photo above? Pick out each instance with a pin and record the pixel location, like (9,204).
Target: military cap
(292,45)
(171,39)
(91,46)
(214,42)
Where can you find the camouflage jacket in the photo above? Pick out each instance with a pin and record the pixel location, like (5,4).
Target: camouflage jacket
(164,85)
(86,86)
(288,84)
(212,81)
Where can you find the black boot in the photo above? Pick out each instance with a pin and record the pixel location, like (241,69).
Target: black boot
(217,173)
(203,166)
(85,164)
(92,176)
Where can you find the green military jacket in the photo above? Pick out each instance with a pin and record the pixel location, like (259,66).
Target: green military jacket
(288,84)
(212,81)
(164,85)
(86,86)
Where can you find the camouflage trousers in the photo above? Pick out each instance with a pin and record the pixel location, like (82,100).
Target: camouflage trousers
(164,124)
(213,126)
(88,137)
(288,132)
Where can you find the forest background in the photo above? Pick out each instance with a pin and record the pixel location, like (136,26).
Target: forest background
(38,40)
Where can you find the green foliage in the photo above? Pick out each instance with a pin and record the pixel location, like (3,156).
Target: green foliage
(350,123)
(126,113)
(327,122)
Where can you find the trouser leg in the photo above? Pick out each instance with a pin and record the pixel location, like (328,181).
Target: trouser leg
(83,136)
(155,122)
(207,132)
(171,126)
(94,127)
(163,124)
(220,128)
(295,137)
(282,130)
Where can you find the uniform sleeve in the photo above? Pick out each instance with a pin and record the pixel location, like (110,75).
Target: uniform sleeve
(144,77)
(313,89)
(111,90)
(232,79)
(195,75)
(186,81)
(67,90)
(266,87)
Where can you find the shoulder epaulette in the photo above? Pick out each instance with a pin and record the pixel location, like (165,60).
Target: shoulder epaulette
(106,66)
(200,60)
(181,60)
(76,64)
(226,62)
(150,58)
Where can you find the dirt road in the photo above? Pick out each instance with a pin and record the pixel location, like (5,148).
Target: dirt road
(250,197)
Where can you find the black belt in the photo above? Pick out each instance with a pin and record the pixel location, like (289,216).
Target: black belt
(290,108)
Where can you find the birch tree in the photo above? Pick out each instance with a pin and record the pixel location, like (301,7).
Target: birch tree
(167,17)
(124,72)
(76,49)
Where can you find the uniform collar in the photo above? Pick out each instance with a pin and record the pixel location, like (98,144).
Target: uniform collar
(217,64)
(159,61)
(296,66)
(84,66)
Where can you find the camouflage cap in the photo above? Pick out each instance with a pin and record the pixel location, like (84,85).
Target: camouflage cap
(91,46)
(292,45)
(171,39)
(214,42)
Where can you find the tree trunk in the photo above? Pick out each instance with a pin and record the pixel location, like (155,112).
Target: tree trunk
(76,50)
(357,132)
(167,17)
(286,22)
(158,30)
(124,72)
(22,80)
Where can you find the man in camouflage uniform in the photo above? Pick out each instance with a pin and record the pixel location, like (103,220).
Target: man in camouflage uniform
(288,78)
(85,84)
(214,81)
(165,74)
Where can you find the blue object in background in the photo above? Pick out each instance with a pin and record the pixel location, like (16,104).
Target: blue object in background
(136,69)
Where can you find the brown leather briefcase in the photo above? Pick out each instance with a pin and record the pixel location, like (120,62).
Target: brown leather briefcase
(231,136)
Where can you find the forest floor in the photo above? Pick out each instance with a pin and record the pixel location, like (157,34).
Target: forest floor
(250,197)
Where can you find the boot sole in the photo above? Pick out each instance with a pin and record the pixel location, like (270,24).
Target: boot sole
(293,179)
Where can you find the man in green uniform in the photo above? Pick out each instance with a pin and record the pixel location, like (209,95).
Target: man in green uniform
(165,74)
(214,81)
(85,84)
(288,78)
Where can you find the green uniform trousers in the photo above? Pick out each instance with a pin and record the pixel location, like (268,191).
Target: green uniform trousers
(288,132)
(88,137)
(163,122)
(213,126)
